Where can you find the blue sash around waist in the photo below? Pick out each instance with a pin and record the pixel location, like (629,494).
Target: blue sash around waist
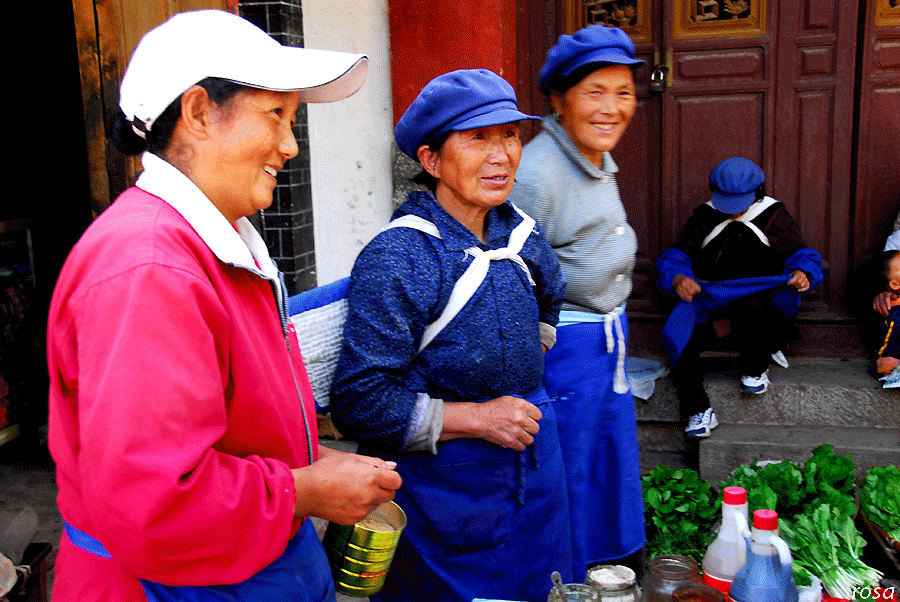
(300,574)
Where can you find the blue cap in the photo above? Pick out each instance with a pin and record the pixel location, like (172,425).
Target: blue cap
(594,44)
(459,100)
(737,179)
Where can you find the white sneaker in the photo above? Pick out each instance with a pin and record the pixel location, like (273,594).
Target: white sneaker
(778,358)
(700,425)
(756,385)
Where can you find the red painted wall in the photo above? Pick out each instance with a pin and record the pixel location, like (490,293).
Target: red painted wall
(429,38)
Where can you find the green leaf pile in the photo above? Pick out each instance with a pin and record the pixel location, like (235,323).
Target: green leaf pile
(791,489)
(827,544)
(879,498)
(680,510)
(815,507)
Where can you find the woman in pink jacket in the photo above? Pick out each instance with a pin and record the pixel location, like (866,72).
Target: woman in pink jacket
(181,419)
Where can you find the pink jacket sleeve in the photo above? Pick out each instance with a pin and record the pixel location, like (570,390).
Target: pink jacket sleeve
(152,383)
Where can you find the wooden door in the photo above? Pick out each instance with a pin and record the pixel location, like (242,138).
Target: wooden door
(106,33)
(878,143)
(768,80)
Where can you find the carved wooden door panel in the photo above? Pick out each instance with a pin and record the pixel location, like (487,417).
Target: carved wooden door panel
(771,81)
(878,179)
(106,33)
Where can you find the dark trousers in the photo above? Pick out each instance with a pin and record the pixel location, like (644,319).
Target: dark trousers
(758,329)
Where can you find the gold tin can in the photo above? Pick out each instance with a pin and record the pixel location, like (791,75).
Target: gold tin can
(361,554)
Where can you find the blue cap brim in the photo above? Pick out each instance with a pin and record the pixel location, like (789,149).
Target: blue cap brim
(496,117)
(615,56)
(732,203)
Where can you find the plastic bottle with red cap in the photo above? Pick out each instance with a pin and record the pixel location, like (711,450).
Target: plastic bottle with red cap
(767,575)
(727,554)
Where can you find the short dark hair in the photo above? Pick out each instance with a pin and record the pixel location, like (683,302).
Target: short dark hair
(123,137)
(423,178)
(562,83)
(886,258)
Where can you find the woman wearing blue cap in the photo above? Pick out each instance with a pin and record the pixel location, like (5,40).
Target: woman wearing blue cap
(739,236)
(567,183)
(451,308)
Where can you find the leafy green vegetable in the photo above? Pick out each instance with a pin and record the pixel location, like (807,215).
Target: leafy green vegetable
(842,502)
(827,467)
(879,497)
(759,495)
(680,511)
(790,489)
(814,505)
(826,543)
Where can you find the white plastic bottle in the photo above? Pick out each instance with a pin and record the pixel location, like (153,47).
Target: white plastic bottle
(728,553)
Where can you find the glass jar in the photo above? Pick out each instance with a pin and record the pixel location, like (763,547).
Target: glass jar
(666,574)
(614,583)
(575,592)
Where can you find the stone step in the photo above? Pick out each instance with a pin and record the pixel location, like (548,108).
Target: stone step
(813,391)
(665,444)
(733,444)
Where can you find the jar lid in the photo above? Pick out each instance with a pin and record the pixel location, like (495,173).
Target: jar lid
(674,566)
(610,577)
(734,496)
(765,519)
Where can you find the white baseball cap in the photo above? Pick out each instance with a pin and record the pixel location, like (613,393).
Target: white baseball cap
(194,45)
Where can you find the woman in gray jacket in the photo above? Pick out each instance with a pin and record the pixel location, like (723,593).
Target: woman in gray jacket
(566,181)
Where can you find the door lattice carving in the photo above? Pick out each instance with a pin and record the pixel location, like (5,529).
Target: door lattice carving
(887,14)
(719,18)
(619,13)
(632,16)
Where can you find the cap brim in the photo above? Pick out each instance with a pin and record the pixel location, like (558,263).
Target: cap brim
(613,56)
(488,119)
(732,203)
(319,75)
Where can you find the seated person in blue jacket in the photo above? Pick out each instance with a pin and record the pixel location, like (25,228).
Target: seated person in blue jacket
(739,236)
(887,303)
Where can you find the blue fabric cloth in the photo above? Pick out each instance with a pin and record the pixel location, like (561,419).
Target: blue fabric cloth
(483,521)
(679,327)
(400,283)
(599,445)
(318,297)
(300,574)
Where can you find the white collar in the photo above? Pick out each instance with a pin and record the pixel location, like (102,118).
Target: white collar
(235,247)
(746,218)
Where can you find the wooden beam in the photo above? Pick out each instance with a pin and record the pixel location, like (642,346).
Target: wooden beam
(92,101)
(107,32)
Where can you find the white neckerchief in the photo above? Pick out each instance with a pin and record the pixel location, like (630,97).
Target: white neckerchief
(477,271)
(746,219)
(238,248)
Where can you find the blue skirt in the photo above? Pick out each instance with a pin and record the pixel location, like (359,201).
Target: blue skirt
(598,435)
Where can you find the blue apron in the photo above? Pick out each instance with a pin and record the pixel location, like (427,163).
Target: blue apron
(300,574)
(483,521)
(598,434)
